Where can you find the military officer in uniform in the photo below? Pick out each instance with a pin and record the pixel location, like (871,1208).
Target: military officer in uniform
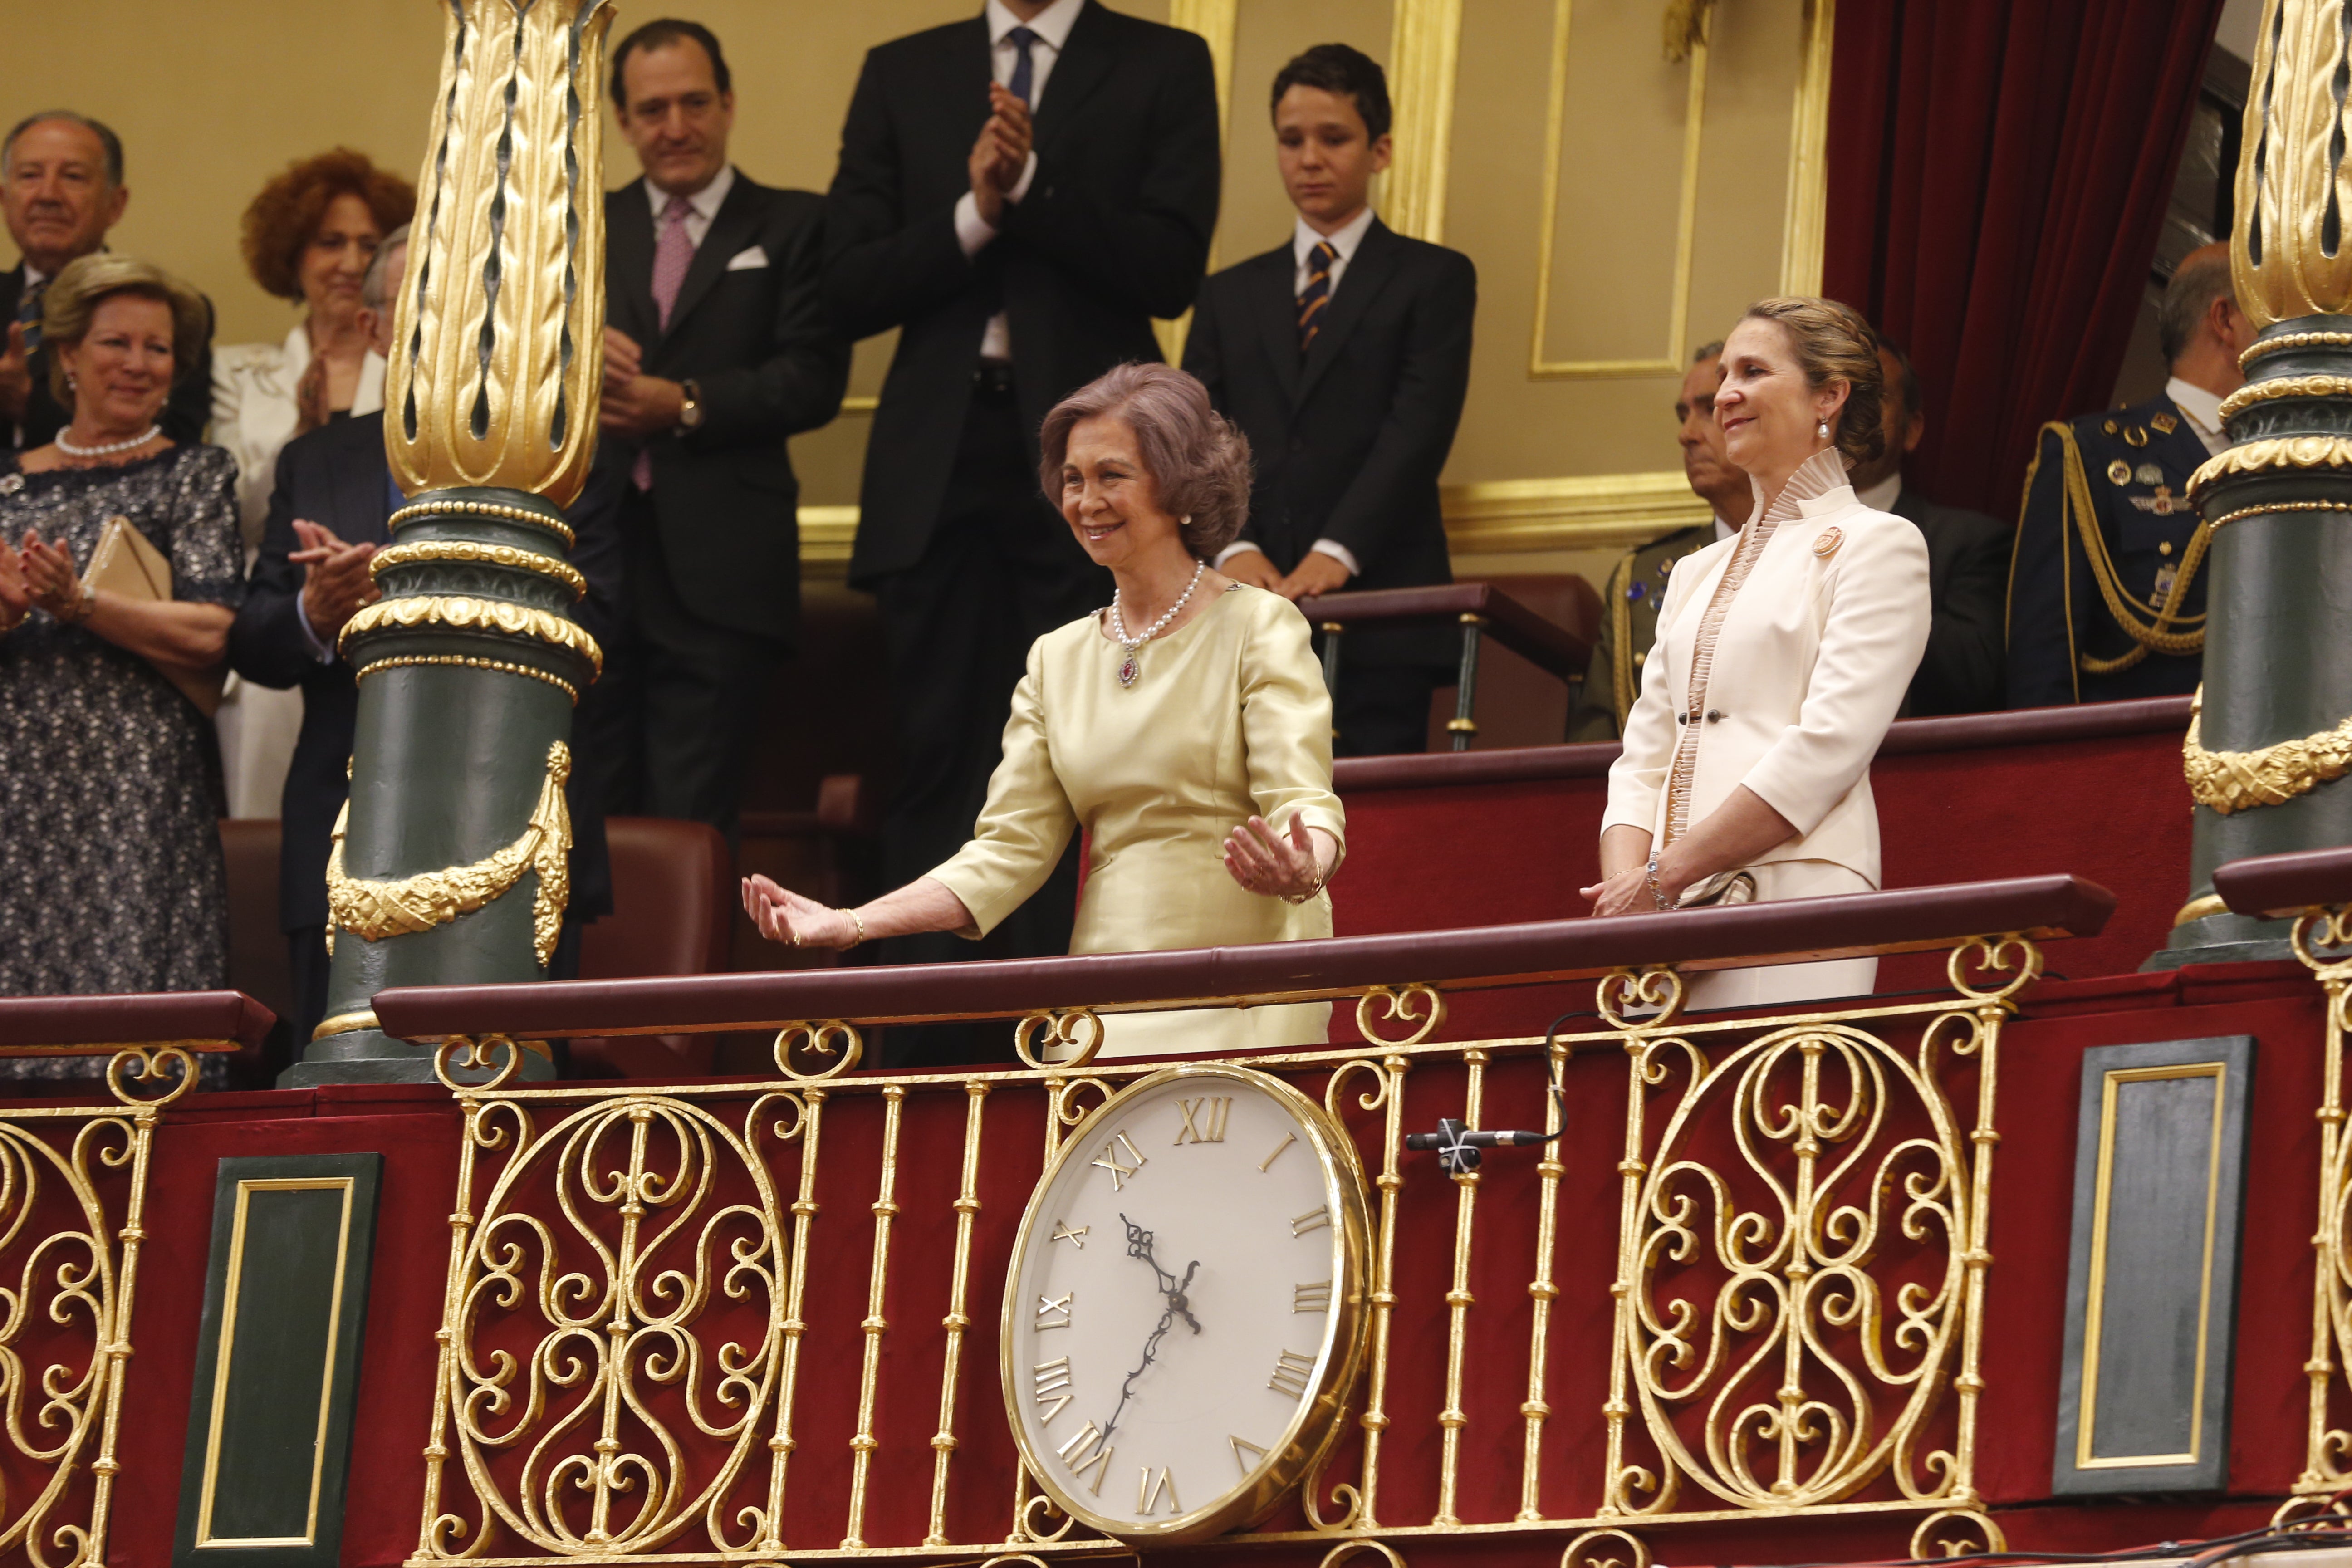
(1638,587)
(2106,591)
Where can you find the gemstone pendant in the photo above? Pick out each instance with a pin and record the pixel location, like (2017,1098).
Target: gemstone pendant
(1128,671)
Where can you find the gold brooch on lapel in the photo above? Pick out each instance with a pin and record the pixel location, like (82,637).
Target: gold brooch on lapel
(1826,542)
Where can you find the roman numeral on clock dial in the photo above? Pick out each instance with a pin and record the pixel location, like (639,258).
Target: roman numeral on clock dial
(1151,1488)
(1204,1120)
(1315,1297)
(1085,1452)
(1314,1219)
(1120,1174)
(1290,1374)
(1054,1312)
(1246,1453)
(1052,1379)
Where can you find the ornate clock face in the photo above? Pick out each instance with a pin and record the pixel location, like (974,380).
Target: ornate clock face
(1185,1311)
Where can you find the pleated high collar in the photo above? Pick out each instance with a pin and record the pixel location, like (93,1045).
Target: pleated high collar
(1819,475)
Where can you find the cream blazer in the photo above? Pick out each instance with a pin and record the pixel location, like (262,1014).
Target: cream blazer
(1808,665)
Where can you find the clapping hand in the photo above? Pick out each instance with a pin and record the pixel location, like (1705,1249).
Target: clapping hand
(51,578)
(1263,861)
(311,409)
(636,405)
(16,594)
(782,915)
(999,154)
(336,582)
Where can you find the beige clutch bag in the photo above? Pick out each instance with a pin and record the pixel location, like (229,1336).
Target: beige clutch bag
(124,562)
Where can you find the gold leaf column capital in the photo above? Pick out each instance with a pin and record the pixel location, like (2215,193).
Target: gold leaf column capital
(2287,250)
(498,356)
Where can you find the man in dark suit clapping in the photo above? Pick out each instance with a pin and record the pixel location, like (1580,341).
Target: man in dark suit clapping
(328,517)
(1020,195)
(717,348)
(1344,356)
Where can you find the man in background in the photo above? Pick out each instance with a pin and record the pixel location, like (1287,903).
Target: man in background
(716,349)
(1019,194)
(327,520)
(1629,607)
(61,190)
(2104,602)
(1967,560)
(1344,356)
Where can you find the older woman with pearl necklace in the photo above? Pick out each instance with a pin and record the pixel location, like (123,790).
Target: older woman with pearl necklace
(111,876)
(1782,656)
(1185,726)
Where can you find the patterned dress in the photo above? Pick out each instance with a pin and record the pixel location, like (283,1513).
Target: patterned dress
(111,870)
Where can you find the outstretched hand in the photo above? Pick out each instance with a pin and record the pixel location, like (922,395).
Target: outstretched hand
(782,915)
(1266,862)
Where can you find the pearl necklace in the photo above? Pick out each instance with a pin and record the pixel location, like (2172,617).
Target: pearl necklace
(107,448)
(1129,668)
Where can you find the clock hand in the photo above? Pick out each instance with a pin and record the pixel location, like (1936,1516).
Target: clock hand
(1138,1246)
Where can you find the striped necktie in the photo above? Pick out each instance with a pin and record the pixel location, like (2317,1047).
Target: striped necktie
(1317,292)
(28,314)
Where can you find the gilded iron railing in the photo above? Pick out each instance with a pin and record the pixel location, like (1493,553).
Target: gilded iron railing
(73,1195)
(639,1276)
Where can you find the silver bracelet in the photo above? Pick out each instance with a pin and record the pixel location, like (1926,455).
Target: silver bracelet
(1657,894)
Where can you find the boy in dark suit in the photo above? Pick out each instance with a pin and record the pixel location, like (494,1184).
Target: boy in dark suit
(1344,356)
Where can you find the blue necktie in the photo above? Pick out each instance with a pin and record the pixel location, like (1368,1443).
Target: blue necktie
(1317,292)
(1025,74)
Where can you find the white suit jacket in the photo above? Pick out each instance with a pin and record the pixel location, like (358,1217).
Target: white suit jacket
(1809,664)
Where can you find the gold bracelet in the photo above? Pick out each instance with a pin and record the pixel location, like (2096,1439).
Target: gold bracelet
(854,915)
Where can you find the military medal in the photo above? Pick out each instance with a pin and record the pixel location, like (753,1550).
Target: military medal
(2119,472)
(2150,474)
(2166,576)
(2165,423)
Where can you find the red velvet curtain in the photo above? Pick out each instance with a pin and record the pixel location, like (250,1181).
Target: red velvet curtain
(1998,171)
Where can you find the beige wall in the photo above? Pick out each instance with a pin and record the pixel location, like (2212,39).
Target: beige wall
(211,102)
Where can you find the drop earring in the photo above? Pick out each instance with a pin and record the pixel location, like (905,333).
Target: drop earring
(1823,430)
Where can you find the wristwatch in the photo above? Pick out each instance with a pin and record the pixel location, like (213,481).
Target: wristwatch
(689,412)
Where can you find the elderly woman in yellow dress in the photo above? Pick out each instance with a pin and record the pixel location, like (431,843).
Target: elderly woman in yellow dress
(1185,727)
(1783,654)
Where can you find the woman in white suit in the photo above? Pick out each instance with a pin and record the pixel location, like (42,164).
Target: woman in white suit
(1783,654)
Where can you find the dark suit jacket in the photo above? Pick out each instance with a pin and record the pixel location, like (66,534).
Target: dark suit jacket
(756,341)
(184,416)
(336,476)
(1968,581)
(1347,442)
(1114,230)
(2136,465)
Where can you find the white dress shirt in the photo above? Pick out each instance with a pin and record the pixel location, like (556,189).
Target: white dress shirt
(973,232)
(1304,238)
(1880,497)
(701,206)
(1725,530)
(2204,411)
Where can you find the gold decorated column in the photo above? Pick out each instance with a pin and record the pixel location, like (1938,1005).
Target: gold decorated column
(2273,734)
(451,863)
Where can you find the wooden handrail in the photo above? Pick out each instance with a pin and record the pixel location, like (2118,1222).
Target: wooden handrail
(1907,919)
(2285,884)
(198,1020)
(1540,641)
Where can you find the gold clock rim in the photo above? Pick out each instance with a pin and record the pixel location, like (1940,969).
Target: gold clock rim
(1311,1433)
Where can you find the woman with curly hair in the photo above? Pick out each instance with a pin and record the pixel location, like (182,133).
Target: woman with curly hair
(309,237)
(1186,728)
